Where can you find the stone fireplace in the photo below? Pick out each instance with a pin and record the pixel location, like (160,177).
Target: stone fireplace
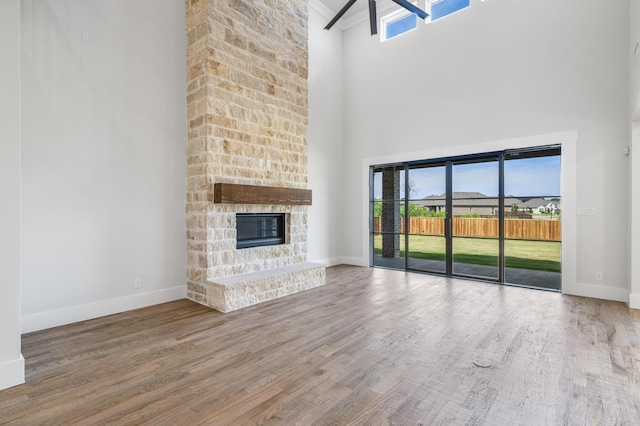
(247,115)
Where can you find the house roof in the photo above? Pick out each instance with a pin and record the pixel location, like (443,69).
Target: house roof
(471,199)
(534,203)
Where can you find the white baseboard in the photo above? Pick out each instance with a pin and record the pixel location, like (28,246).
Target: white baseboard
(355,261)
(617,294)
(332,261)
(63,316)
(634,300)
(12,373)
(339,260)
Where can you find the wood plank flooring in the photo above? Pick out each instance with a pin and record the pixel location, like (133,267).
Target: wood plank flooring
(372,347)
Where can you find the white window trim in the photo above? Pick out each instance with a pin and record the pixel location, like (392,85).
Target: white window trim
(392,17)
(569,142)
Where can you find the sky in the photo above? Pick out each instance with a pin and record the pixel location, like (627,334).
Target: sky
(401,26)
(527,177)
(446,7)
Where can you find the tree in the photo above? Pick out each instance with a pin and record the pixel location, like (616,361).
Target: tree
(472,215)
(377,208)
(415,211)
(413,189)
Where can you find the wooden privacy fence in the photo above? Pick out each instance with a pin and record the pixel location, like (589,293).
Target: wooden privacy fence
(523,229)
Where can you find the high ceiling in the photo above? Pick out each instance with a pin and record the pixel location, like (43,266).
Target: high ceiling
(336,5)
(358,11)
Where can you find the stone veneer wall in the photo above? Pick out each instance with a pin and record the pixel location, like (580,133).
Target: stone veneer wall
(391,213)
(247,113)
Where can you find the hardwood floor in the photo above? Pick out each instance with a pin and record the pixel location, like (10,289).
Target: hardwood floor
(372,347)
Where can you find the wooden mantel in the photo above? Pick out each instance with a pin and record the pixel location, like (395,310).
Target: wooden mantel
(230,193)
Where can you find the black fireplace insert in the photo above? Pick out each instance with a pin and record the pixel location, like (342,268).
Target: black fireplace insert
(259,229)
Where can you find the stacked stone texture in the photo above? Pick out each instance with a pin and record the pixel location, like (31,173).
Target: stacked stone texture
(391,213)
(247,120)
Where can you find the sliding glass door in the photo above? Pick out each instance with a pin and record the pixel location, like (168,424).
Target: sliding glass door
(426,218)
(388,238)
(493,216)
(532,244)
(476,217)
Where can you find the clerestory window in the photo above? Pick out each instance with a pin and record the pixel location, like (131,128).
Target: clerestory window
(441,8)
(398,22)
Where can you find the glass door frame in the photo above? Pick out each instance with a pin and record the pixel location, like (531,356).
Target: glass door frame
(468,159)
(448,163)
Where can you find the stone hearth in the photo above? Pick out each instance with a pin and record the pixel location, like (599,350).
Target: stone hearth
(247,112)
(240,291)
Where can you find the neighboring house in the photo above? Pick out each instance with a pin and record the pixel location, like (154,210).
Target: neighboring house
(467,203)
(540,206)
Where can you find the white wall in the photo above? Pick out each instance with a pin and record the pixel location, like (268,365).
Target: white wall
(11,361)
(325,140)
(500,70)
(634,39)
(104,157)
(634,113)
(634,255)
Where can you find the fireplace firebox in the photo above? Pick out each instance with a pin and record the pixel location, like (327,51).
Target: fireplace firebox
(259,229)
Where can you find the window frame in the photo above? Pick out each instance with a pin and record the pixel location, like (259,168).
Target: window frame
(395,16)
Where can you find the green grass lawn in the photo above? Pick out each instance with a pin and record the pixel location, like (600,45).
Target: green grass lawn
(534,255)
